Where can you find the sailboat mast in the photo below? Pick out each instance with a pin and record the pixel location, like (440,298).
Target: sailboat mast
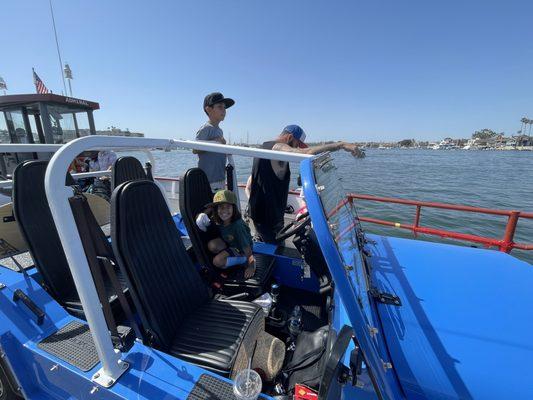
(57,46)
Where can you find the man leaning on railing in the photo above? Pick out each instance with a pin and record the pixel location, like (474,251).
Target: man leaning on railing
(269,183)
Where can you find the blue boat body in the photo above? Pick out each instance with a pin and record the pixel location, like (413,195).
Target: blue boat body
(463,330)
(152,374)
(465,326)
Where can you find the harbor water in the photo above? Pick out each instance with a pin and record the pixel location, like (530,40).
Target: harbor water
(489,179)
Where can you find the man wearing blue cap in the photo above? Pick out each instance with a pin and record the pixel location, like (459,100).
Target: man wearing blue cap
(269,183)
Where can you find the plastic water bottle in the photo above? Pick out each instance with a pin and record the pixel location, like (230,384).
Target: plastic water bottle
(295,322)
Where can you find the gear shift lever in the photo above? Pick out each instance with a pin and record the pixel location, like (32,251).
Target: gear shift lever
(274,293)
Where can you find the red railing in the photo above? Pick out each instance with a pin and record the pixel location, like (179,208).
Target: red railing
(505,244)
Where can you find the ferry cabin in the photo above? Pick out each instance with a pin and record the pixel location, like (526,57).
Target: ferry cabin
(42,119)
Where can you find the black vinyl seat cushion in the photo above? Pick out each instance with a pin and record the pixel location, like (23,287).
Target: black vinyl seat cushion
(126,169)
(257,284)
(33,215)
(211,335)
(176,308)
(194,193)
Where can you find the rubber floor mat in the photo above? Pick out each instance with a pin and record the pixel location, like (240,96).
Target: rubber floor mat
(73,344)
(210,388)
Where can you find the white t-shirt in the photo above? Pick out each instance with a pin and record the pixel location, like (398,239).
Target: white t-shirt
(105,160)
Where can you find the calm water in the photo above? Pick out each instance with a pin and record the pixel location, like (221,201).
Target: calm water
(491,179)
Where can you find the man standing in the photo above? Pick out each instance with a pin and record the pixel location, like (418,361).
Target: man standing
(102,160)
(269,184)
(213,164)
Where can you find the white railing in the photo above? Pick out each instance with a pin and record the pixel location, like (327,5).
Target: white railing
(52,148)
(29,148)
(58,195)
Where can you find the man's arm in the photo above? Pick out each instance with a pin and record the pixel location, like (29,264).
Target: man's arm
(248,188)
(349,147)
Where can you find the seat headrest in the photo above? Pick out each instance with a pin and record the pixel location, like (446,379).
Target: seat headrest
(126,169)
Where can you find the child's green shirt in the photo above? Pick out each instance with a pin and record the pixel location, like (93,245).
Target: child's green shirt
(237,234)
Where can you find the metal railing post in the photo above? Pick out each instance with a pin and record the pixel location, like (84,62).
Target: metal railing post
(417,219)
(507,242)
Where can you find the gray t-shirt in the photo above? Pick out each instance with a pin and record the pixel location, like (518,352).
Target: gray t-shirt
(213,164)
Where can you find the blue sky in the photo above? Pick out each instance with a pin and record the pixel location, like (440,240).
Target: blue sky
(350,70)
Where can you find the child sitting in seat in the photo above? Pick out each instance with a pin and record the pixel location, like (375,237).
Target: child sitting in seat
(234,246)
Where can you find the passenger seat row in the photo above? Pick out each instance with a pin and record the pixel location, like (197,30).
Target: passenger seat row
(178,311)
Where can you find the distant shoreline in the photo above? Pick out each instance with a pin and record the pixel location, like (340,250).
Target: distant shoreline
(522,148)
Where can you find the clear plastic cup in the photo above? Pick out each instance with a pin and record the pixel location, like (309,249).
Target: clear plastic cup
(247,385)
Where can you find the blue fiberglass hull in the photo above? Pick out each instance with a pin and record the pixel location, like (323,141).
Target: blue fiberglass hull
(465,327)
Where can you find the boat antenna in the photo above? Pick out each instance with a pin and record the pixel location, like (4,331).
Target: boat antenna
(57,46)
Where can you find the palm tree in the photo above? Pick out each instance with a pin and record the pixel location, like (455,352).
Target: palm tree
(523,126)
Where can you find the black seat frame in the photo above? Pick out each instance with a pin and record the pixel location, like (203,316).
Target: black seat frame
(34,218)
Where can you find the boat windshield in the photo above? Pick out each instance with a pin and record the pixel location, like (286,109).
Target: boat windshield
(344,228)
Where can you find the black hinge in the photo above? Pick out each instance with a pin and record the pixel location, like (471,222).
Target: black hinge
(20,295)
(125,339)
(385,298)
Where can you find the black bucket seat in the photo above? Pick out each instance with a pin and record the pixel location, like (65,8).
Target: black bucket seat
(178,313)
(194,193)
(126,169)
(33,215)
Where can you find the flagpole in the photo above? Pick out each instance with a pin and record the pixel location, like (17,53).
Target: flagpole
(57,46)
(68,76)
(3,85)
(33,78)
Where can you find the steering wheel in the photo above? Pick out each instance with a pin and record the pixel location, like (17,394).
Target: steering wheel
(330,388)
(294,227)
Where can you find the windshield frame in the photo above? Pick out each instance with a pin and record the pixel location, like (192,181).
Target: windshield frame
(385,384)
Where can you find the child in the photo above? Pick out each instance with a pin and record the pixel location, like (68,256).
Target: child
(234,246)
(214,164)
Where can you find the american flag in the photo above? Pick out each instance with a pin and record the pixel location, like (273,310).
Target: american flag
(39,85)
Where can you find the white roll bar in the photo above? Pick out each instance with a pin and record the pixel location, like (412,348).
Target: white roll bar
(58,195)
(242,151)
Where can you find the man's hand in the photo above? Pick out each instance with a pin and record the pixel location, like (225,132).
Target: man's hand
(354,150)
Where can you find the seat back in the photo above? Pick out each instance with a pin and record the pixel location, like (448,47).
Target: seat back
(164,283)
(32,212)
(194,193)
(126,169)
